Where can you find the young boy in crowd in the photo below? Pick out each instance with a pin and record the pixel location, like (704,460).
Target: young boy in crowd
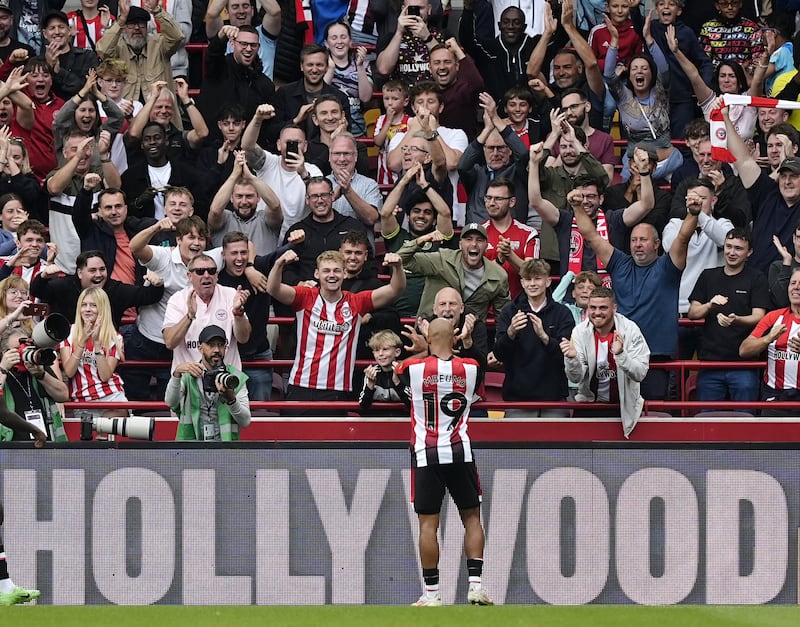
(630,43)
(519,107)
(395,120)
(381,383)
(682,105)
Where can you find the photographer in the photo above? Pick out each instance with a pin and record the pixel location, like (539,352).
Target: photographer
(30,390)
(209,397)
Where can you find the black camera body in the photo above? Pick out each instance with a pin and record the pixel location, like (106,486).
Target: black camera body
(219,375)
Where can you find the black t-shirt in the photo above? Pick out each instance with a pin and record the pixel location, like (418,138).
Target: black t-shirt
(745,290)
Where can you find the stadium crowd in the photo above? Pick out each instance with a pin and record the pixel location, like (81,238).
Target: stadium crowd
(327,145)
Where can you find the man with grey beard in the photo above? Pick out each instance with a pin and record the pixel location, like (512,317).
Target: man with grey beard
(147,55)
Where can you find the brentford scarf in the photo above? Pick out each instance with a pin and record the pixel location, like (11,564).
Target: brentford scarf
(576,243)
(719,135)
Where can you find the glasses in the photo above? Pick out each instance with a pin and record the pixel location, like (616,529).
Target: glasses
(202,271)
(341,154)
(590,196)
(730,3)
(137,25)
(248,44)
(319,196)
(490,199)
(573,107)
(15,292)
(412,149)
(495,148)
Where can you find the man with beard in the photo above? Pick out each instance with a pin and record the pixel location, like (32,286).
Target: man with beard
(577,107)
(482,283)
(458,78)
(614,226)
(607,357)
(147,56)
(295,102)
(236,77)
(243,192)
(7,43)
(497,152)
(427,212)
(62,293)
(241,13)
(557,180)
(69,65)
(147,180)
(224,409)
(203,301)
(63,185)
(502,60)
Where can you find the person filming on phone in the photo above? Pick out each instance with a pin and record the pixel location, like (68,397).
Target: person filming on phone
(209,396)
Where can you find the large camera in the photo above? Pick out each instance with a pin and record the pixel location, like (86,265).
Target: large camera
(219,376)
(134,427)
(39,348)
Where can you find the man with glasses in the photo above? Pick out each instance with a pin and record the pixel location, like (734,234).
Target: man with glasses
(511,242)
(613,226)
(201,303)
(236,77)
(323,229)
(146,55)
(240,13)
(497,152)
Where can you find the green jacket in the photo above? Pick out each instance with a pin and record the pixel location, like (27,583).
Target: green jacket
(188,405)
(50,409)
(443,268)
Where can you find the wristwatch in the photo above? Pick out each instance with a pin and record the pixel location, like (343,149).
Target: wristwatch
(189,103)
(433,136)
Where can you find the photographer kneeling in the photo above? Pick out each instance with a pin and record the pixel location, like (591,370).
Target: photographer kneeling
(30,389)
(209,397)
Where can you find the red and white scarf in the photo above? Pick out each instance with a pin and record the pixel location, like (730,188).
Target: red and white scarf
(576,244)
(719,135)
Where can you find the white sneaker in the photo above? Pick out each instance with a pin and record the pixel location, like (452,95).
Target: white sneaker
(479,596)
(426,601)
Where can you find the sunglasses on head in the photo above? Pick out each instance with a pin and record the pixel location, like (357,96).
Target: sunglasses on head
(202,271)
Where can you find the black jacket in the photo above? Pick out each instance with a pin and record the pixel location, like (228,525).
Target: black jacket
(62,293)
(534,371)
(228,82)
(97,235)
(136,181)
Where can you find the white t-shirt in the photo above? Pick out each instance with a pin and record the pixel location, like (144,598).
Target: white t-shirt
(290,188)
(159,178)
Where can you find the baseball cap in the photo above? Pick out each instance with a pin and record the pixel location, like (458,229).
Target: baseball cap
(5,5)
(210,332)
(473,227)
(792,164)
(137,15)
(54,15)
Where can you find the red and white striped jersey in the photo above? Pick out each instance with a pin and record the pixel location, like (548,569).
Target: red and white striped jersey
(95,25)
(441,393)
(86,385)
(782,364)
(524,241)
(326,338)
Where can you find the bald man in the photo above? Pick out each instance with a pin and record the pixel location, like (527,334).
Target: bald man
(442,387)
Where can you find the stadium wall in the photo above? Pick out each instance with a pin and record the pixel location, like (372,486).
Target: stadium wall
(314,524)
